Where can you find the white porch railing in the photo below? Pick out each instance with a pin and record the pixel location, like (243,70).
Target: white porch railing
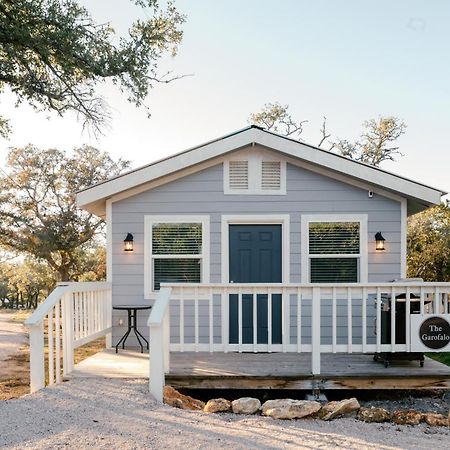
(72,315)
(315,318)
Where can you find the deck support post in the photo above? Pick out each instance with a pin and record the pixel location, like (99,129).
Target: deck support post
(315,336)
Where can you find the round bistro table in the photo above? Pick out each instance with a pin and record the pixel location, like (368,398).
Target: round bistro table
(132,324)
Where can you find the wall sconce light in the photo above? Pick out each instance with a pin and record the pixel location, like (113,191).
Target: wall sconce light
(379,239)
(128,243)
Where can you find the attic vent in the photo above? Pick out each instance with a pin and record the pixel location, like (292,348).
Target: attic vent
(271,175)
(238,172)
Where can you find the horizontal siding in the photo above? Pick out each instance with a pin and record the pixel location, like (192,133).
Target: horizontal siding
(202,193)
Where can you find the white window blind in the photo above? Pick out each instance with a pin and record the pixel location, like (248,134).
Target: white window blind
(177,253)
(270,175)
(334,252)
(238,175)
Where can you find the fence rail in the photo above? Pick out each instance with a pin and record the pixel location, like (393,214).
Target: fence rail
(314,318)
(72,315)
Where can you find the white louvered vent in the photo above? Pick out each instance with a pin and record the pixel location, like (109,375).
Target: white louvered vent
(238,173)
(271,175)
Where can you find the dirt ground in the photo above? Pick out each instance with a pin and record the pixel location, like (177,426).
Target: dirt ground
(15,357)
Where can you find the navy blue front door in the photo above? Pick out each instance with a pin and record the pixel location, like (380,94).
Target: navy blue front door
(255,257)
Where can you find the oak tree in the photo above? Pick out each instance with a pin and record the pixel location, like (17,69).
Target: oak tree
(376,144)
(53,55)
(429,244)
(38,212)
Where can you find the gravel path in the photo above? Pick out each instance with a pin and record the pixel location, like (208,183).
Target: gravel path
(120,414)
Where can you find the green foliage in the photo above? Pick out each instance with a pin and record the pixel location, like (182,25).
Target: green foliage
(275,117)
(441,357)
(53,55)
(376,143)
(38,213)
(25,283)
(429,244)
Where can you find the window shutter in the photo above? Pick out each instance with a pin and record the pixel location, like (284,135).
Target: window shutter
(271,176)
(238,175)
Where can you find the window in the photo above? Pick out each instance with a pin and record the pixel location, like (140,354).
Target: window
(177,251)
(336,250)
(255,175)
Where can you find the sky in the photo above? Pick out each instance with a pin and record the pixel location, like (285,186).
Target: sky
(346,60)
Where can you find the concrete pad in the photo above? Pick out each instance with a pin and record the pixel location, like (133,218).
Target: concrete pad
(109,364)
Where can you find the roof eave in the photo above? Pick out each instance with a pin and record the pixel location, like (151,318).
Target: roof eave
(93,199)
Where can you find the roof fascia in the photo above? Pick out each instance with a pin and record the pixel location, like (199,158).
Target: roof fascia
(349,168)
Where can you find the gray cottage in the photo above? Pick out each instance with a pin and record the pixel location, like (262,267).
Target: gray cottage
(256,242)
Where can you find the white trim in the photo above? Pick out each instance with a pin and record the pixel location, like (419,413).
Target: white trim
(257,219)
(109,241)
(343,178)
(306,219)
(93,198)
(403,236)
(255,158)
(149,220)
(221,160)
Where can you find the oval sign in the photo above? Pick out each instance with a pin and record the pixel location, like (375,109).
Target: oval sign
(435,333)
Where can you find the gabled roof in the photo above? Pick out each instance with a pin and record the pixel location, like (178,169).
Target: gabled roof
(419,195)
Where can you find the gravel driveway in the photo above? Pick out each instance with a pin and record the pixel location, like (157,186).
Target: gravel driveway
(120,414)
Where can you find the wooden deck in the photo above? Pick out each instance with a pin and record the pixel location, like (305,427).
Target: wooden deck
(269,371)
(293,371)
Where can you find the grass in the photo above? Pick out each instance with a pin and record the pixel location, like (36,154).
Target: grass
(441,357)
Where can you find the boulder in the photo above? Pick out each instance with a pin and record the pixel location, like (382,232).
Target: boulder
(408,417)
(290,409)
(174,398)
(337,409)
(217,405)
(373,414)
(436,420)
(245,405)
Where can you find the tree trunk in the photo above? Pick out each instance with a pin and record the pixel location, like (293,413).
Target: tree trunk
(63,273)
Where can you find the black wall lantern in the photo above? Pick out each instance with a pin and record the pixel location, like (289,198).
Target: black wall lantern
(128,243)
(379,239)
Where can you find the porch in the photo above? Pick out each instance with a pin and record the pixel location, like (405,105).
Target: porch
(325,339)
(269,371)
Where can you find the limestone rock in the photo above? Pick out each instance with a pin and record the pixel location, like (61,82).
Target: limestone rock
(373,414)
(290,409)
(174,398)
(408,417)
(217,405)
(336,409)
(436,420)
(246,405)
